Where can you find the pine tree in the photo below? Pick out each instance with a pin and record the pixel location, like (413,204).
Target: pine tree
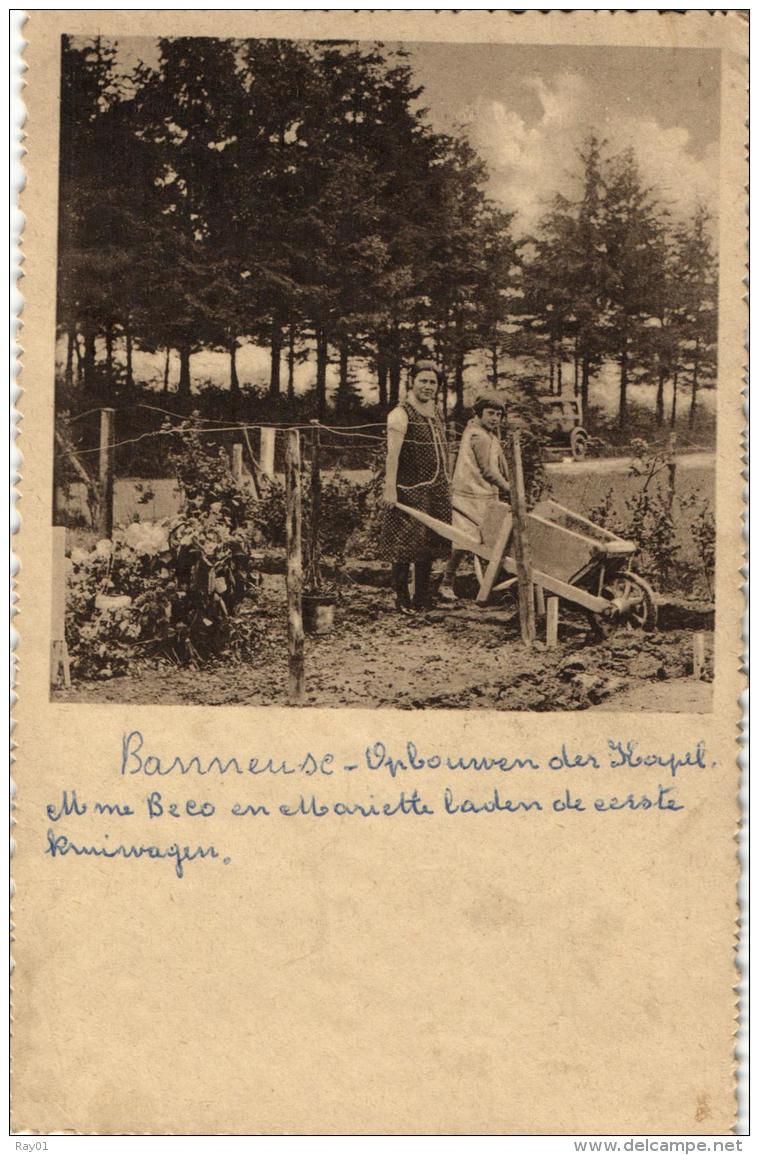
(631,244)
(696,280)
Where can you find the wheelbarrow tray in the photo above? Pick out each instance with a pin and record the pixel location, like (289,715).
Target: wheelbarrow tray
(565,548)
(567,545)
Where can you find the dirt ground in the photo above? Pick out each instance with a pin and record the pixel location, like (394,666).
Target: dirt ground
(460,658)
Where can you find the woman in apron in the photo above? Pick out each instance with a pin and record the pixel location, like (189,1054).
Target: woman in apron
(416,475)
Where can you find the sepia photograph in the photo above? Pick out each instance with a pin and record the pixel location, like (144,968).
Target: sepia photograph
(386,374)
(380,761)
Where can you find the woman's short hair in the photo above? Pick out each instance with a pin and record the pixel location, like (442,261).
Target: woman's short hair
(423,367)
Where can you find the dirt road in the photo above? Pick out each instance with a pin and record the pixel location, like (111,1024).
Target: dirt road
(621,465)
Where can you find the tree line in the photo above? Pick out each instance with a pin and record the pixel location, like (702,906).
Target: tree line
(294,194)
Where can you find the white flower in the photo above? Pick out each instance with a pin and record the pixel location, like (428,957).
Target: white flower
(104,547)
(147,537)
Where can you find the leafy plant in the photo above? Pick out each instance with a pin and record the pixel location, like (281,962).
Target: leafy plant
(205,478)
(343,511)
(184,579)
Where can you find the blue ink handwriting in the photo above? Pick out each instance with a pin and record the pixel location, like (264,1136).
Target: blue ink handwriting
(59,845)
(134,762)
(625,755)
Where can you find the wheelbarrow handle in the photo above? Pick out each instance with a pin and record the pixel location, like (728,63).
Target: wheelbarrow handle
(459,537)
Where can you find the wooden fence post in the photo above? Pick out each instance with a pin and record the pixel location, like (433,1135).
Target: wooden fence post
(59,654)
(521,540)
(237,462)
(316,505)
(699,656)
(671,467)
(294,580)
(268,434)
(452,446)
(552,623)
(105,473)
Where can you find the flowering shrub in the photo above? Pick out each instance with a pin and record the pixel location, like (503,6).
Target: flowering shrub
(159,588)
(169,588)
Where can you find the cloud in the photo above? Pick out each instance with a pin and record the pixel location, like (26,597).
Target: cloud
(533,155)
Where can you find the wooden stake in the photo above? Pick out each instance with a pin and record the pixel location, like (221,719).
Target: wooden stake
(671,468)
(699,658)
(254,466)
(296,680)
(59,654)
(552,623)
(316,505)
(237,462)
(91,486)
(105,473)
(540,601)
(521,540)
(452,447)
(267,451)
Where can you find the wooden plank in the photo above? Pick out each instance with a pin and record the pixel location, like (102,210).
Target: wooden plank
(552,547)
(522,556)
(458,536)
(105,473)
(294,579)
(699,657)
(552,623)
(540,601)
(562,589)
(266,454)
(495,555)
(60,665)
(236,462)
(505,585)
(550,510)
(58,622)
(59,654)
(253,463)
(76,463)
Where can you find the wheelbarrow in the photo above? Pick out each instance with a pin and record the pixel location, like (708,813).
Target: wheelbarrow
(571,557)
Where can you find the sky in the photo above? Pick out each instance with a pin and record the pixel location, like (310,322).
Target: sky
(527,109)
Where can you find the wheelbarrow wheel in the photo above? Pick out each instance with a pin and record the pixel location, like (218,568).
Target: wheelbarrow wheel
(631,605)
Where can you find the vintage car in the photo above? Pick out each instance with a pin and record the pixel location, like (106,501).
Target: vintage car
(562,418)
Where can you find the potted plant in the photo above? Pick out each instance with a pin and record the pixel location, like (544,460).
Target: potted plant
(318,610)
(319,599)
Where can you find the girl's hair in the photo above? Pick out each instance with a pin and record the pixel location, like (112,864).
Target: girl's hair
(488,401)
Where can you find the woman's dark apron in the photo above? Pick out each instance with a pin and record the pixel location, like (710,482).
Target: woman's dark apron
(423,484)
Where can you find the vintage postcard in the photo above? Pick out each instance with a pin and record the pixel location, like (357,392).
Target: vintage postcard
(380,594)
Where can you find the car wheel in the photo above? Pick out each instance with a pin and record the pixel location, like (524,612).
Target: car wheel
(578,442)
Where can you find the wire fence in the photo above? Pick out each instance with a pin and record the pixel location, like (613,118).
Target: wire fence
(141,462)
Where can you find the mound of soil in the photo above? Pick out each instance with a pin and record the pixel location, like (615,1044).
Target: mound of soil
(459,658)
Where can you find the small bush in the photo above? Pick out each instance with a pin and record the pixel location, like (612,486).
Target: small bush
(344,508)
(650,519)
(185,578)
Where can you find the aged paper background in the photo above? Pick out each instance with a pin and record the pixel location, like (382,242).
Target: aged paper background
(488,975)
